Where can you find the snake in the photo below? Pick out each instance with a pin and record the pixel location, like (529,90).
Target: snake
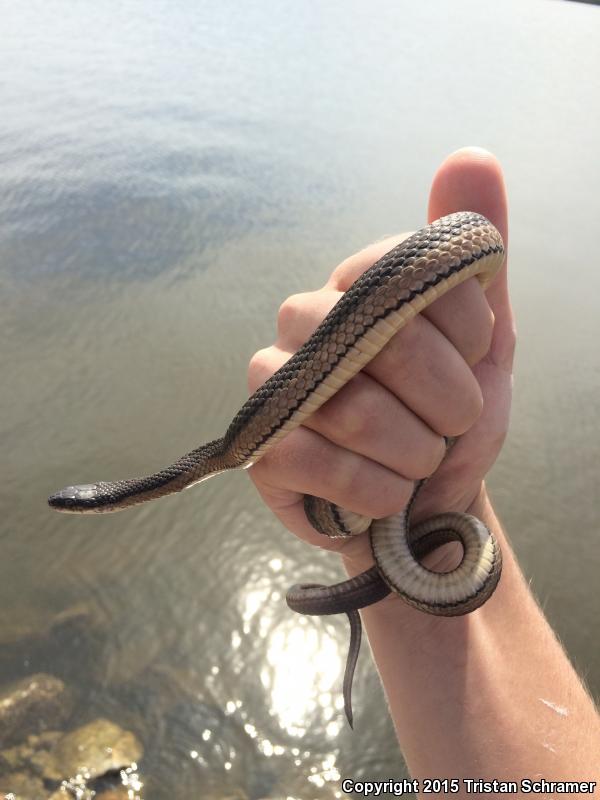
(390,293)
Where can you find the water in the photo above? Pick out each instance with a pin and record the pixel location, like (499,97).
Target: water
(169,174)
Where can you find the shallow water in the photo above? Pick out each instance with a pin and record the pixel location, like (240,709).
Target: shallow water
(168,174)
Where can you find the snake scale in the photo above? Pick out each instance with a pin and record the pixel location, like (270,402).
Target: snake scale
(391,292)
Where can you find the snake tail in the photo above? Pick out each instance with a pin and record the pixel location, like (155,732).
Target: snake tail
(353,647)
(344,597)
(399,548)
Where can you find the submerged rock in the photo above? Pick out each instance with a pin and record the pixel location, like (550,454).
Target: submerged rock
(32,705)
(61,794)
(25,755)
(20,786)
(121,793)
(91,751)
(33,638)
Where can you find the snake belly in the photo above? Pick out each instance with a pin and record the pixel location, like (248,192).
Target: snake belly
(386,297)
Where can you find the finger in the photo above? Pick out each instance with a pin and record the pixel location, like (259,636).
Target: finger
(351,268)
(464,318)
(308,463)
(366,418)
(471,180)
(288,506)
(420,365)
(463,315)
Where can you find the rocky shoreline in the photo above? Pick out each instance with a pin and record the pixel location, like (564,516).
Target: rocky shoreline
(41,762)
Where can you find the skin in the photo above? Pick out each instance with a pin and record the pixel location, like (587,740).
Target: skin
(473,696)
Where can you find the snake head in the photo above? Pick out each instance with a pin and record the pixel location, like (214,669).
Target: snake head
(81,499)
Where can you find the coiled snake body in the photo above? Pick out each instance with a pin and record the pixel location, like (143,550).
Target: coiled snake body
(396,288)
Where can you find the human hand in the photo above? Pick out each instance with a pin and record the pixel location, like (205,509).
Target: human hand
(446,373)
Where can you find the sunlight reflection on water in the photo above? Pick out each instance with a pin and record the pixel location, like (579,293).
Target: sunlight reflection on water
(304,675)
(303,663)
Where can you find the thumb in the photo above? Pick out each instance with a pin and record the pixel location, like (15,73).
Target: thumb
(471,180)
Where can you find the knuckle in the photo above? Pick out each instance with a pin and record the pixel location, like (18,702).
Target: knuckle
(389,499)
(404,351)
(288,313)
(356,424)
(353,417)
(511,337)
(504,350)
(360,490)
(466,411)
(348,482)
(473,405)
(345,478)
(259,369)
(428,458)
(480,340)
